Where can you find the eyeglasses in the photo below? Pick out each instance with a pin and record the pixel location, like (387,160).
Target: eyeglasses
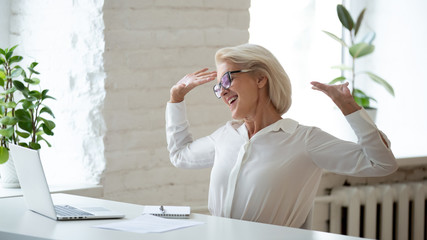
(225,82)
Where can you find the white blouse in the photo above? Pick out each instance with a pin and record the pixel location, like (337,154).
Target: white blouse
(274,176)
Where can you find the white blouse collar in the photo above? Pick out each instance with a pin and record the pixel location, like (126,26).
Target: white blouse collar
(287,125)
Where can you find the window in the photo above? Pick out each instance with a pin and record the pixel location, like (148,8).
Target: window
(68,44)
(292,31)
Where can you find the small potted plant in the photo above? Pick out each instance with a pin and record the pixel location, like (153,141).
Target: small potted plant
(357,49)
(22,108)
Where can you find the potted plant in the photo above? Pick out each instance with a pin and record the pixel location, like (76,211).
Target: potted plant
(22,108)
(356,50)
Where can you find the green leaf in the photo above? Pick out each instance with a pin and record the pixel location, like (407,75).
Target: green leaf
(2,52)
(338,79)
(33,81)
(359,21)
(47,110)
(28,105)
(26,126)
(33,71)
(2,61)
(34,146)
(15,59)
(4,155)
(40,138)
(381,82)
(50,124)
(34,64)
(47,130)
(361,49)
(22,144)
(45,96)
(8,120)
(7,132)
(13,48)
(361,98)
(2,74)
(8,104)
(345,17)
(336,38)
(10,90)
(35,94)
(20,86)
(23,134)
(8,55)
(22,115)
(16,73)
(24,74)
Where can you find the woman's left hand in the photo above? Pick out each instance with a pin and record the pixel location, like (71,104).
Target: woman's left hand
(340,95)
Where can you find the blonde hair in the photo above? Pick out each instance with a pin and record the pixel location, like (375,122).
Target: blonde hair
(261,61)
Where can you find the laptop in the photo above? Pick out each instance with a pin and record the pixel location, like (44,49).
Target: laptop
(36,191)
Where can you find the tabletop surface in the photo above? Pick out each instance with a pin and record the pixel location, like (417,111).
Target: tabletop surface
(17,222)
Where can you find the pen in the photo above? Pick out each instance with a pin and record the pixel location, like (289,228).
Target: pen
(162,209)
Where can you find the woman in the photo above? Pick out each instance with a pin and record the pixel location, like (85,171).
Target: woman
(265,168)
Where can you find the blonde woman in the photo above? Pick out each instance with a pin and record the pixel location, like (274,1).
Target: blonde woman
(266,168)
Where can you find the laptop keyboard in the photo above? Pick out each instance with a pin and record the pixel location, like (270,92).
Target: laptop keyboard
(65,210)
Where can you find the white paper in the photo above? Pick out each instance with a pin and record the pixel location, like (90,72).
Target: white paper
(147,223)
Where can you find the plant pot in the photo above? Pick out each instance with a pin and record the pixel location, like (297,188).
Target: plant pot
(372,112)
(9,178)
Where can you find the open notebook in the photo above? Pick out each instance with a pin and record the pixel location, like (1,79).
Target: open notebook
(36,191)
(168,211)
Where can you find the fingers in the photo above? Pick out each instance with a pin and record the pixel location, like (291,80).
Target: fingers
(319,86)
(201,71)
(200,77)
(190,81)
(326,87)
(197,78)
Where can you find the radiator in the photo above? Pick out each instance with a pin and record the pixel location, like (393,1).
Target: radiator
(389,211)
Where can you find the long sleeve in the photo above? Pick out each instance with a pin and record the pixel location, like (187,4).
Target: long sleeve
(185,152)
(369,157)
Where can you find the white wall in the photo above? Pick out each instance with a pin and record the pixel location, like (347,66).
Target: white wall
(150,45)
(4,23)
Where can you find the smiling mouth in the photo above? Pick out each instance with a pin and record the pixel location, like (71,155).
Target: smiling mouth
(231,100)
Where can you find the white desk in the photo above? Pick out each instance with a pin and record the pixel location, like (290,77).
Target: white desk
(77,189)
(16,222)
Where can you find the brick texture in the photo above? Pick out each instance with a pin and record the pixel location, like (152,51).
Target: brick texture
(149,46)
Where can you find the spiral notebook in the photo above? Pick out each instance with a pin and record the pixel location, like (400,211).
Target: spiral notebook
(168,211)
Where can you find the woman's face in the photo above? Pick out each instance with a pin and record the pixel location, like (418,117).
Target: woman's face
(242,95)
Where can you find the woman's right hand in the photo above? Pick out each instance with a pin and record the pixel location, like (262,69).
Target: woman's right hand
(188,82)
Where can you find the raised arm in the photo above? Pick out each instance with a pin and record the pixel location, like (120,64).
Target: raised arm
(371,156)
(185,152)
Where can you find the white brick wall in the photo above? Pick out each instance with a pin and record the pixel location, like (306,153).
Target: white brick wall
(149,46)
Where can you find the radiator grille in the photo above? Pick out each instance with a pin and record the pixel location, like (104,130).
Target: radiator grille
(392,211)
